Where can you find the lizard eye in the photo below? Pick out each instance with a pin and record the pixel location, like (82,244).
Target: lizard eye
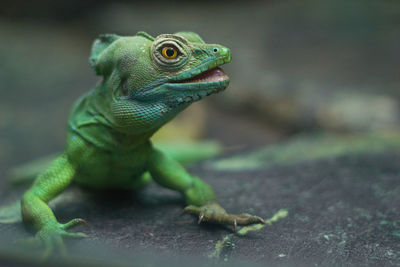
(169,52)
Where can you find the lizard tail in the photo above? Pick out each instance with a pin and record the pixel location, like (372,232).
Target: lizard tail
(183,152)
(11,213)
(27,172)
(186,152)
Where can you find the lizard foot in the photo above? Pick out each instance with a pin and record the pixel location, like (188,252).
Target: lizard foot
(51,235)
(214,213)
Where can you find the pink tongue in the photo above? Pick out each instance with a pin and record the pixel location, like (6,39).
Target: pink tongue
(213,75)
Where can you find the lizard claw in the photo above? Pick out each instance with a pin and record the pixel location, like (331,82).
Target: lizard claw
(190,210)
(201,217)
(214,213)
(74,222)
(51,238)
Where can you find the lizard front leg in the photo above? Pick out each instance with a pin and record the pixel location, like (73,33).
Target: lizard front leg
(199,196)
(36,212)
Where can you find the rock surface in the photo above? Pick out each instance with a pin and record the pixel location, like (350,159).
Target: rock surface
(334,210)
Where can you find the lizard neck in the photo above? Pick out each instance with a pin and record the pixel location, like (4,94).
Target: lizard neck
(127,122)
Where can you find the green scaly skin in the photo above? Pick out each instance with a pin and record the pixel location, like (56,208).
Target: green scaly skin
(109,129)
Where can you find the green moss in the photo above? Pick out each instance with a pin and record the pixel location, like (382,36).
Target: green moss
(281,214)
(310,148)
(396,233)
(220,246)
(227,240)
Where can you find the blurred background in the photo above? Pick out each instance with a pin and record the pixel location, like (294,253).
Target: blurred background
(297,66)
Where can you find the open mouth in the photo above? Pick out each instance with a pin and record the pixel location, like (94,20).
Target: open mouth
(214,75)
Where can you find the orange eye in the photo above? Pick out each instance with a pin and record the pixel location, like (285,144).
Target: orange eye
(169,52)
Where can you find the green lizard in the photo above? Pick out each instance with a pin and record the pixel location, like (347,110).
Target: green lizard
(146,82)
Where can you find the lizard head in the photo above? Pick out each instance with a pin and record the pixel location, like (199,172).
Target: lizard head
(158,77)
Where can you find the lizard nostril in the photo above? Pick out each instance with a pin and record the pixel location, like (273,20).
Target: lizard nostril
(125,89)
(215,50)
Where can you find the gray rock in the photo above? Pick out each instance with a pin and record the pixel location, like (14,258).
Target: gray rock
(339,209)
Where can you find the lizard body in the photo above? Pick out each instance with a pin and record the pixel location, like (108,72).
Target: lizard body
(146,82)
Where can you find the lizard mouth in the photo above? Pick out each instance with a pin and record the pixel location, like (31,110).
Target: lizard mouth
(210,81)
(215,75)
(203,84)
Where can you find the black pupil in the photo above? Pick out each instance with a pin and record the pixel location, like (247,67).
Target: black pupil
(170,51)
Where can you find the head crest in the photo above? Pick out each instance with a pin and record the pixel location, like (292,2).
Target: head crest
(99,45)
